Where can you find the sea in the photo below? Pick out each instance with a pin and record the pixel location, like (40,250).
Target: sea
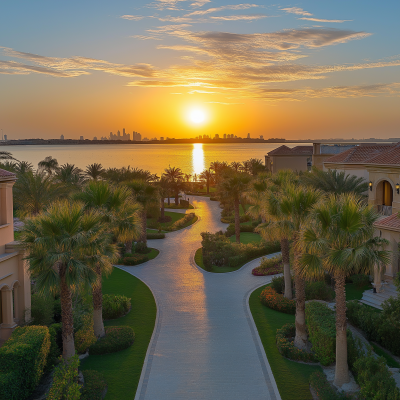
(190,158)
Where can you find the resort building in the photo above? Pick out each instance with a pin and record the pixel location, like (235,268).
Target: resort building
(15,287)
(298,158)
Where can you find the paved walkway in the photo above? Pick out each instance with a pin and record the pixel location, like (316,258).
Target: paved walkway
(205,345)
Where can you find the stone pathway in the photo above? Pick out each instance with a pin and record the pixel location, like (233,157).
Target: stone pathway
(205,345)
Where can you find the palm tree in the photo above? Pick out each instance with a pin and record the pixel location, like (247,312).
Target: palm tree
(121,218)
(207,176)
(49,164)
(340,241)
(62,243)
(147,195)
(231,187)
(236,165)
(10,166)
(163,189)
(6,155)
(175,177)
(296,203)
(23,166)
(70,176)
(94,171)
(333,181)
(218,167)
(34,191)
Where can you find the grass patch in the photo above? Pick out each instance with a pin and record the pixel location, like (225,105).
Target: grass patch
(178,207)
(390,361)
(247,237)
(153,253)
(122,370)
(355,293)
(291,378)
(174,217)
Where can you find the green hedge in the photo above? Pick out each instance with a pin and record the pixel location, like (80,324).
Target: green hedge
(55,331)
(23,359)
(286,346)
(95,385)
(115,306)
(117,338)
(155,235)
(321,325)
(65,385)
(230,230)
(135,259)
(180,223)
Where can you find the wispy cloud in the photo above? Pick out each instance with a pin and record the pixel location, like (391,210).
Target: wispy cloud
(297,11)
(251,17)
(222,8)
(132,17)
(200,3)
(338,21)
(309,17)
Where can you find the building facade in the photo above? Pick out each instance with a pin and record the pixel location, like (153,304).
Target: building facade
(15,287)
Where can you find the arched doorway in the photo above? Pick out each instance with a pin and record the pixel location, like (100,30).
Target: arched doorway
(384,197)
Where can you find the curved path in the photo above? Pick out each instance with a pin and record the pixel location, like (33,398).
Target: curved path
(205,345)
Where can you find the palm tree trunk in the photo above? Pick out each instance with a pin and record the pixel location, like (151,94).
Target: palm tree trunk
(342,368)
(98,325)
(66,315)
(237,220)
(144,227)
(169,199)
(286,268)
(162,208)
(128,246)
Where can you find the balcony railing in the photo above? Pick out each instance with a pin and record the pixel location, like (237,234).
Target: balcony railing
(385,210)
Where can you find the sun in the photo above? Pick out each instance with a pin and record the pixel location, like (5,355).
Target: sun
(197,116)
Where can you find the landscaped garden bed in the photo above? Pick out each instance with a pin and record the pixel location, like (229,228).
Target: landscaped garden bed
(138,258)
(174,223)
(269,266)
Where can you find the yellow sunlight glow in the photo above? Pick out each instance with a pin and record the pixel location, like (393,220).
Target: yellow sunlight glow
(197,116)
(197,158)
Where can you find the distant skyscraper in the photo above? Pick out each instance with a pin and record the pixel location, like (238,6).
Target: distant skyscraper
(62,137)
(261,137)
(224,135)
(81,138)
(248,136)
(5,138)
(216,136)
(161,137)
(95,138)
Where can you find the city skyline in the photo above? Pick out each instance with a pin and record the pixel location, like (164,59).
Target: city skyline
(188,68)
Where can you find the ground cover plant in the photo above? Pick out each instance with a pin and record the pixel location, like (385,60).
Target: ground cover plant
(291,377)
(122,370)
(138,258)
(324,390)
(269,266)
(187,220)
(153,223)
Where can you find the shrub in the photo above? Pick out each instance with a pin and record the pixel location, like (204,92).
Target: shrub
(323,389)
(319,291)
(42,309)
(155,235)
(85,337)
(277,302)
(115,306)
(65,381)
(117,338)
(95,385)
(181,222)
(230,230)
(141,248)
(321,325)
(135,259)
(23,358)
(269,266)
(278,284)
(360,280)
(286,346)
(55,331)
(164,219)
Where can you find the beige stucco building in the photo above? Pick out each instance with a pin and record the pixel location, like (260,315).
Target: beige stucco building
(15,291)
(297,158)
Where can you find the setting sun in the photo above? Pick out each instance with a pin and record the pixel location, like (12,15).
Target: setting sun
(197,116)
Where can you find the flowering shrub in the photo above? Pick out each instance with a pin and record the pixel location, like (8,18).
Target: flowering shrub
(277,302)
(269,266)
(85,337)
(115,306)
(286,346)
(181,222)
(117,338)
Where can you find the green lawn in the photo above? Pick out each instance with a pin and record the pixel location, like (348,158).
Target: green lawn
(153,253)
(178,207)
(355,293)
(390,361)
(175,217)
(122,369)
(291,377)
(247,237)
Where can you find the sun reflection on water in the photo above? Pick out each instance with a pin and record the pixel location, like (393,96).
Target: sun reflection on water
(197,158)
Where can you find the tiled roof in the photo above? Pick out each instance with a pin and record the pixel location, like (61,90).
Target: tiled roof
(392,222)
(6,174)
(287,151)
(389,156)
(360,154)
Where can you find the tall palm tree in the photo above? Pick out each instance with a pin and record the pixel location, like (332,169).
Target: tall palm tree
(121,217)
(70,176)
(231,187)
(333,181)
(163,189)
(10,166)
(62,243)
(49,164)
(23,166)
(94,171)
(147,195)
(6,155)
(207,176)
(34,191)
(340,241)
(296,204)
(175,177)
(218,167)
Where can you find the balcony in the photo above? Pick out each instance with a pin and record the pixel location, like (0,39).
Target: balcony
(385,210)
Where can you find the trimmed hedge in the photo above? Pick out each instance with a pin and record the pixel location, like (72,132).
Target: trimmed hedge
(269,266)
(277,302)
(155,235)
(95,385)
(55,331)
(85,337)
(323,389)
(115,306)
(181,222)
(287,348)
(321,325)
(23,358)
(117,338)
(65,381)
(230,230)
(135,259)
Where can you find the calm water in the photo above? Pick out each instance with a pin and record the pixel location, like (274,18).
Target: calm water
(191,158)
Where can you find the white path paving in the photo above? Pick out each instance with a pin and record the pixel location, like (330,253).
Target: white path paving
(205,345)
